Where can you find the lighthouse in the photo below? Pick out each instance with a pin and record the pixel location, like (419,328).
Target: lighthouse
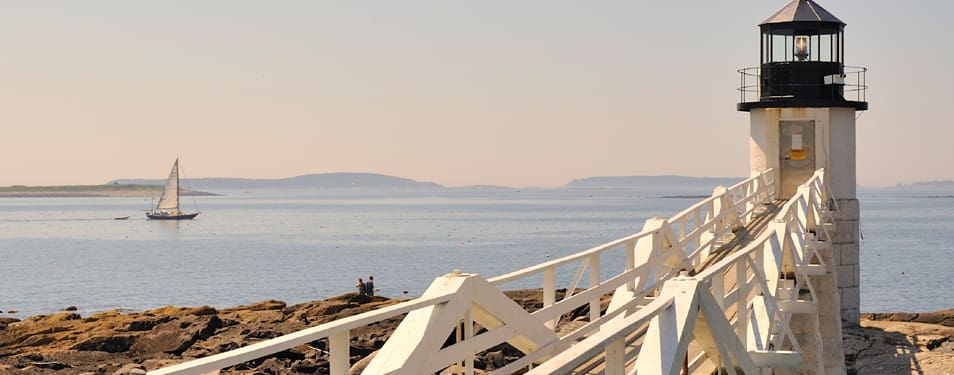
(803,102)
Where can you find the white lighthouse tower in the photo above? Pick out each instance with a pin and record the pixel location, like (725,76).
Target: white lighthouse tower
(803,102)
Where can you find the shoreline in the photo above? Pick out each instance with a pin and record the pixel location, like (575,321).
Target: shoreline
(66,342)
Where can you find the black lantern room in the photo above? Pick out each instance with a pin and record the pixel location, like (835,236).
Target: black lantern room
(802,63)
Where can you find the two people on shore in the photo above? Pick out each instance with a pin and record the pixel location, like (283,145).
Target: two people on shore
(366,288)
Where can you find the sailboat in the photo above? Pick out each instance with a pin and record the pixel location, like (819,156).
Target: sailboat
(168,206)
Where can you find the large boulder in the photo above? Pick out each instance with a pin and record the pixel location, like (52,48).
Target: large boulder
(177,335)
(109,344)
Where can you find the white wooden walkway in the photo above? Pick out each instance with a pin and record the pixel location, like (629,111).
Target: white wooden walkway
(689,297)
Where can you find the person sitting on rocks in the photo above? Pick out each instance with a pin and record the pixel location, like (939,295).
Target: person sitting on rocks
(362,288)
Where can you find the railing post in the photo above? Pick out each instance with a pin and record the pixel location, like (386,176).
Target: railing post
(549,292)
(630,263)
(742,297)
(339,349)
(594,282)
(615,359)
(469,334)
(718,289)
(807,192)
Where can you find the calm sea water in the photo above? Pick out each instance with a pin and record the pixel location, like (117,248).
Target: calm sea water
(300,245)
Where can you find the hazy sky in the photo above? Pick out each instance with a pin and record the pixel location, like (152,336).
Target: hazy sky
(520,93)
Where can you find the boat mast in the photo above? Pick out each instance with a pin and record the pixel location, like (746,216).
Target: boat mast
(177,184)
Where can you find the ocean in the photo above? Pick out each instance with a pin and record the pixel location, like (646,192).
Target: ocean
(301,245)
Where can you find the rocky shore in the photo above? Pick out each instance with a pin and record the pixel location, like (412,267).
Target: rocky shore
(901,343)
(113,342)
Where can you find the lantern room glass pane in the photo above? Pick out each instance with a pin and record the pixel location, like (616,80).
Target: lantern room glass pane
(841,48)
(825,48)
(779,52)
(813,53)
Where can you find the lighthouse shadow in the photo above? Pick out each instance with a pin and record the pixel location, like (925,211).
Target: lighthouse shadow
(874,350)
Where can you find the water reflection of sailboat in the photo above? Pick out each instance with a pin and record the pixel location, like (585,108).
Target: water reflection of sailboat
(168,206)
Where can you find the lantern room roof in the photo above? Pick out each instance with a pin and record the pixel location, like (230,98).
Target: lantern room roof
(802,11)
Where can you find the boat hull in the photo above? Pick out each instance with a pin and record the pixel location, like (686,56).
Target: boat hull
(158,216)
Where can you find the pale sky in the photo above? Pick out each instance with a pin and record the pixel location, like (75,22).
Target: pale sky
(518,93)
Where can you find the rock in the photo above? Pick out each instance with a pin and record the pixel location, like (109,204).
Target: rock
(942,317)
(55,366)
(131,369)
(456,369)
(266,305)
(202,311)
(181,311)
(6,321)
(495,360)
(64,317)
(146,324)
(12,311)
(263,334)
(358,367)
(335,307)
(178,335)
(306,366)
(70,308)
(895,347)
(155,364)
(271,366)
(37,340)
(109,344)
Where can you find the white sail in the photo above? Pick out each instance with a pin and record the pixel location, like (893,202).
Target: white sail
(169,200)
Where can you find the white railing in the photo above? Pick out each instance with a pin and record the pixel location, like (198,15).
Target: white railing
(736,312)
(652,256)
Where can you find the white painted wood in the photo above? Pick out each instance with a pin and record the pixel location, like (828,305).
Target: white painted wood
(339,347)
(468,335)
(730,347)
(582,352)
(666,341)
(614,358)
(812,269)
(776,358)
(594,276)
(653,257)
(412,347)
(268,347)
(549,293)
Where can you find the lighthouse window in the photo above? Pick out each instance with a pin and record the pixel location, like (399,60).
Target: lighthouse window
(813,52)
(825,45)
(780,50)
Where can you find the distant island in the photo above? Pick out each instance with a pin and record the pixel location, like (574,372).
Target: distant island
(617,182)
(322,181)
(107,190)
(939,184)
(668,186)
